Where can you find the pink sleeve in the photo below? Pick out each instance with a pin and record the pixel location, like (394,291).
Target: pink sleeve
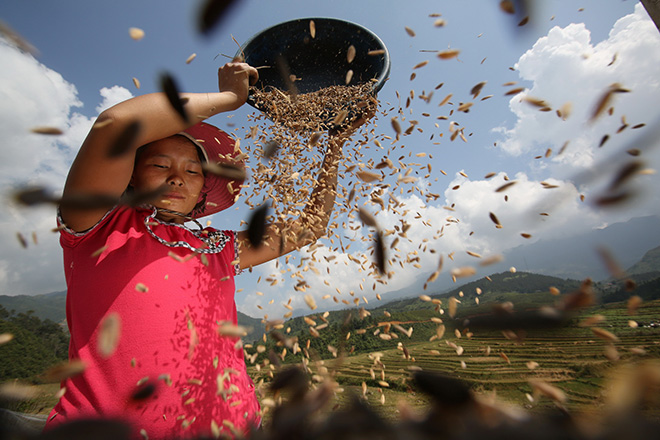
(70,238)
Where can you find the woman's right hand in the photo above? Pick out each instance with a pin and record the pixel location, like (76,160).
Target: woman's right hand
(235,78)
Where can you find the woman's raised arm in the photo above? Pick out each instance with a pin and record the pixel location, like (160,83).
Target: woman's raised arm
(281,238)
(96,170)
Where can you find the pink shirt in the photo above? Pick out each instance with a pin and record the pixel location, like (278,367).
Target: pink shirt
(170,303)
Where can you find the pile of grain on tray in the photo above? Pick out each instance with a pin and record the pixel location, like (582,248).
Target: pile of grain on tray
(290,145)
(316,111)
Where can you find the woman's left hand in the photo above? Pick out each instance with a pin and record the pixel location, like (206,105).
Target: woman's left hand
(235,78)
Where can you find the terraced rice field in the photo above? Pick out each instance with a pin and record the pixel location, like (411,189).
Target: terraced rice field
(572,358)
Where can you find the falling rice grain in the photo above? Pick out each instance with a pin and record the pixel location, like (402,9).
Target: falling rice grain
(367,218)
(477,89)
(506,186)
(257,226)
(448,54)
(462,272)
(231,330)
(22,240)
(229,171)
(514,91)
(409,31)
(339,118)
(309,300)
(464,107)
(453,304)
(536,102)
(136,33)
(109,335)
(507,6)
(547,390)
(349,77)
(136,82)
(52,131)
(605,99)
(141,288)
(493,259)
(99,251)
(380,252)
(350,54)
(169,86)
(396,126)
(367,176)
(445,100)
(312,28)
(14,390)
(633,304)
(190,58)
(64,370)
(604,334)
(434,276)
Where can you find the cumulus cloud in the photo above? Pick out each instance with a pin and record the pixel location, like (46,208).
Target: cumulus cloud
(544,203)
(33,95)
(566,68)
(111,96)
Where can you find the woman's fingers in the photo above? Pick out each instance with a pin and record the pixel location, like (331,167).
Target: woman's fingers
(237,77)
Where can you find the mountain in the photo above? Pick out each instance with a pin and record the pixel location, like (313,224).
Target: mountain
(47,306)
(255,326)
(576,257)
(52,306)
(650,263)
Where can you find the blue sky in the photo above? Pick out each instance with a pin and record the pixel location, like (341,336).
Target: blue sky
(86,61)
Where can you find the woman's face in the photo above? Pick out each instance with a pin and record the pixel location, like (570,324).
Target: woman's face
(171,162)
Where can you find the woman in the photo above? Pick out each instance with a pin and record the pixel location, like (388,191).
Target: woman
(168,288)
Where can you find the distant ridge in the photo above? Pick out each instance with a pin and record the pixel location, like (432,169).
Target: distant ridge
(576,257)
(52,306)
(650,263)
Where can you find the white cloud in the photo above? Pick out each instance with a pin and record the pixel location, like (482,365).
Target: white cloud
(566,67)
(562,67)
(111,96)
(434,231)
(33,95)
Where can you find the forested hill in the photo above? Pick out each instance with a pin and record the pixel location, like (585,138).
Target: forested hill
(491,288)
(48,306)
(52,306)
(649,264)
(35,345)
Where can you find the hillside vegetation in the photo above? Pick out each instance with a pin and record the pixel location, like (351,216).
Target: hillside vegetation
(35,346)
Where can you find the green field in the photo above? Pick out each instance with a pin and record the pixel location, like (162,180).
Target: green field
(571,358)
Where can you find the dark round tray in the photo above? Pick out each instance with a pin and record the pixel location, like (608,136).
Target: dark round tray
(289,49)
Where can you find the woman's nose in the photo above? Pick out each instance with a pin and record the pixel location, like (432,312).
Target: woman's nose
(175,180)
